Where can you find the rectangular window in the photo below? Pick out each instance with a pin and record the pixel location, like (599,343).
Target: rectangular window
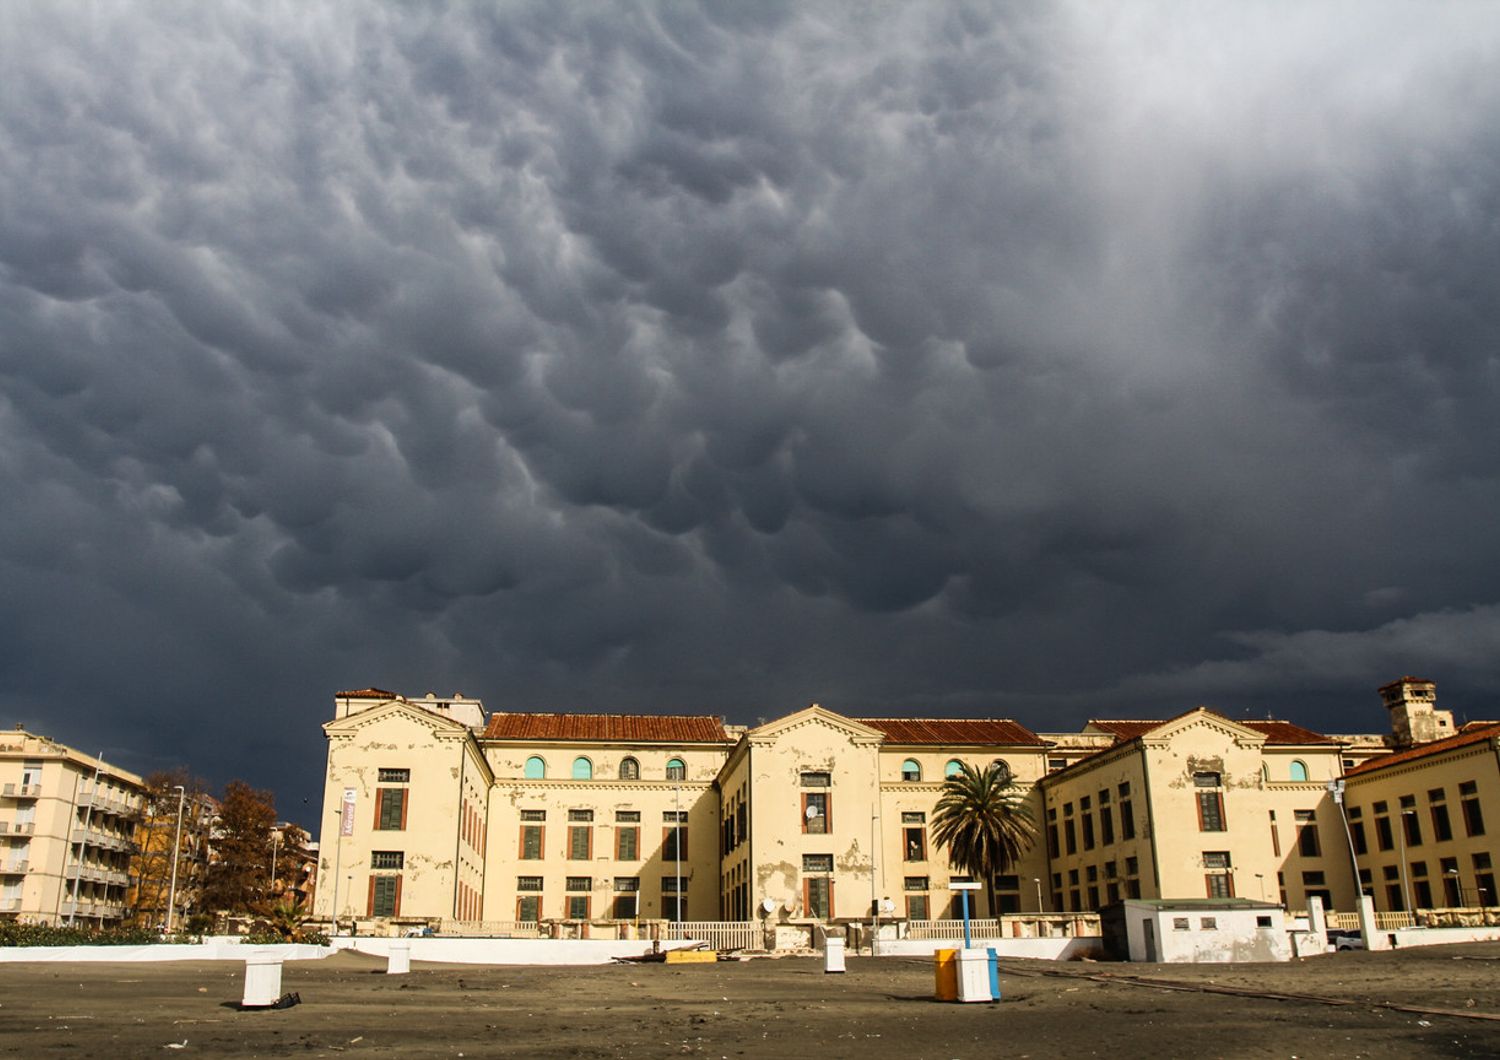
(817,893)
(1442,828)
(1088,831)
(1207,780)
(1127,816)
(1180,923)
(674,816)
(1219,885)
(1314,879)
(674,842)
(817,862)
(1307,835)
(1093,896)
(580,843)
(914,843)
(580,815)
(1091,873)
(1473,817)
(532,846)
(914,883)
(579,883)
(1106,824)
(916,907)
(385,896)
(1132,888)
(533,815)
(1052,848)
(815,812)
(529,883)
(387,859)
(1275,836)
(1054,764)
(1208,923)
(627,843)
(1070,837)
(528,909)
(1413,828)
(1357,835)
(627,884)
(626,906)
(578,907)
(1216,859)
(1132,866)
(395,776)
(1383,836)
(817,780)
(628,816)
(1210,810)
(390,809)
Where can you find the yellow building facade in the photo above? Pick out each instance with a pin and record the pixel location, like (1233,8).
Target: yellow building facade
(435,810)
(67,831)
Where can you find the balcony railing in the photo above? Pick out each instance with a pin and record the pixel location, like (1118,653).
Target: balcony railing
(107,840)
(16,868)
(10,905)
(18,827)
(21,791)
(491,929)
(720,934)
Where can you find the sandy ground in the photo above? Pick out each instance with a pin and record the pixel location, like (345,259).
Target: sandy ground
(761,1008)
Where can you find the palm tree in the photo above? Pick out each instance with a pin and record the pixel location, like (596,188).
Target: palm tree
(983,822)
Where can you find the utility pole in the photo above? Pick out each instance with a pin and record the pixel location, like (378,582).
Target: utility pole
(176,849)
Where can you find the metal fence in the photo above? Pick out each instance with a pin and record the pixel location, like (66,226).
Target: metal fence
(720,934)
(491,929)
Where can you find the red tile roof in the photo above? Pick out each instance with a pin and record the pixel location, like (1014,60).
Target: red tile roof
(644,728)
(366,693)
(952,730)
(1277,732)
(1286,732)
(1472,734)
(1125,730)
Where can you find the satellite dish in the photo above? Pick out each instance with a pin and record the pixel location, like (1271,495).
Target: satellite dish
(887,906)
(812,811)
(768,905)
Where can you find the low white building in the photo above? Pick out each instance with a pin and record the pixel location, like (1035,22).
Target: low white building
(1195,930)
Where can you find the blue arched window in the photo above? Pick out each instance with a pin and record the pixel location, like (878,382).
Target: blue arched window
(676,770)
(536,768)
(1299,770)
(583,769)
(911,770)
(953,768)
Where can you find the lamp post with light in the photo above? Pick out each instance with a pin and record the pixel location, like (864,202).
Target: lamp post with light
(176,850)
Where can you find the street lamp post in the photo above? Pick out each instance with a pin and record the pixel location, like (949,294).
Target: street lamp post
(275,842)
(1458,887)
(1040,907)
(176,849)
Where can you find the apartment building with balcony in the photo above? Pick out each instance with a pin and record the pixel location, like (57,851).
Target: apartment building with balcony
(67,830)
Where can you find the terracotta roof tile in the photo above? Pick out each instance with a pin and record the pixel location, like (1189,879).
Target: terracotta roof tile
(1472,734)
(1124,730)
(367,693)
(954,731)
(1277,732)
(1284,732)
(646,728)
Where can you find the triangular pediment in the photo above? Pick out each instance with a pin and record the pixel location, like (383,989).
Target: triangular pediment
(394,708)
(813,715)
(1202,717)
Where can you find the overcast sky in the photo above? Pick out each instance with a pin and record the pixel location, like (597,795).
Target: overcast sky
(1034,360)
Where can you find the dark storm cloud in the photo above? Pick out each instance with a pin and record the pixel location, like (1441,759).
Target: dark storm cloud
(945,358)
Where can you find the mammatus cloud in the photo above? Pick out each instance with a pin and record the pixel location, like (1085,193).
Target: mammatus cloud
(665,358)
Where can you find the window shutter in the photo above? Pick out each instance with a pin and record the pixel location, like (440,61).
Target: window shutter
(370,902)
(405,803)
(379,806)
(396,908)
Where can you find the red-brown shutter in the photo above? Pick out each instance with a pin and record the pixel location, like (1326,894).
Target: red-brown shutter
(370,901)
(396,908)
(405,805)
(379,805)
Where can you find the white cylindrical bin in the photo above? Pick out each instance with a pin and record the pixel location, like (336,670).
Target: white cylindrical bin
(833,955)
(399,961)
(974,975)
(262,980)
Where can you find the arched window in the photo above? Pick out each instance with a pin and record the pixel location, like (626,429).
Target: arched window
(583,769)
(953,768)
(1299,770)
(1002,767)
(536,769)
(630,769)
(676,770)
(911,769)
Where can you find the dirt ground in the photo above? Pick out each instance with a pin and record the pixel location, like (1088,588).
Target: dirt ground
(763,1008)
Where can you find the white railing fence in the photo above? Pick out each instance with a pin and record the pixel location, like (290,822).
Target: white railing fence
(720,934)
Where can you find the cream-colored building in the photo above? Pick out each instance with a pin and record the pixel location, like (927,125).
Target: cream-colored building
(67,824)
(435,810)
(1423,820)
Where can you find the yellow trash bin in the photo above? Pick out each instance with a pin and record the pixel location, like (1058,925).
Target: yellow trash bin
(945,967)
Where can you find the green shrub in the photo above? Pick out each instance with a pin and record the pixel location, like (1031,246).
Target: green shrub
(13,933)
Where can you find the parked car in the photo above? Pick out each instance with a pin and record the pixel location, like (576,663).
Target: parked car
(1346,940)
